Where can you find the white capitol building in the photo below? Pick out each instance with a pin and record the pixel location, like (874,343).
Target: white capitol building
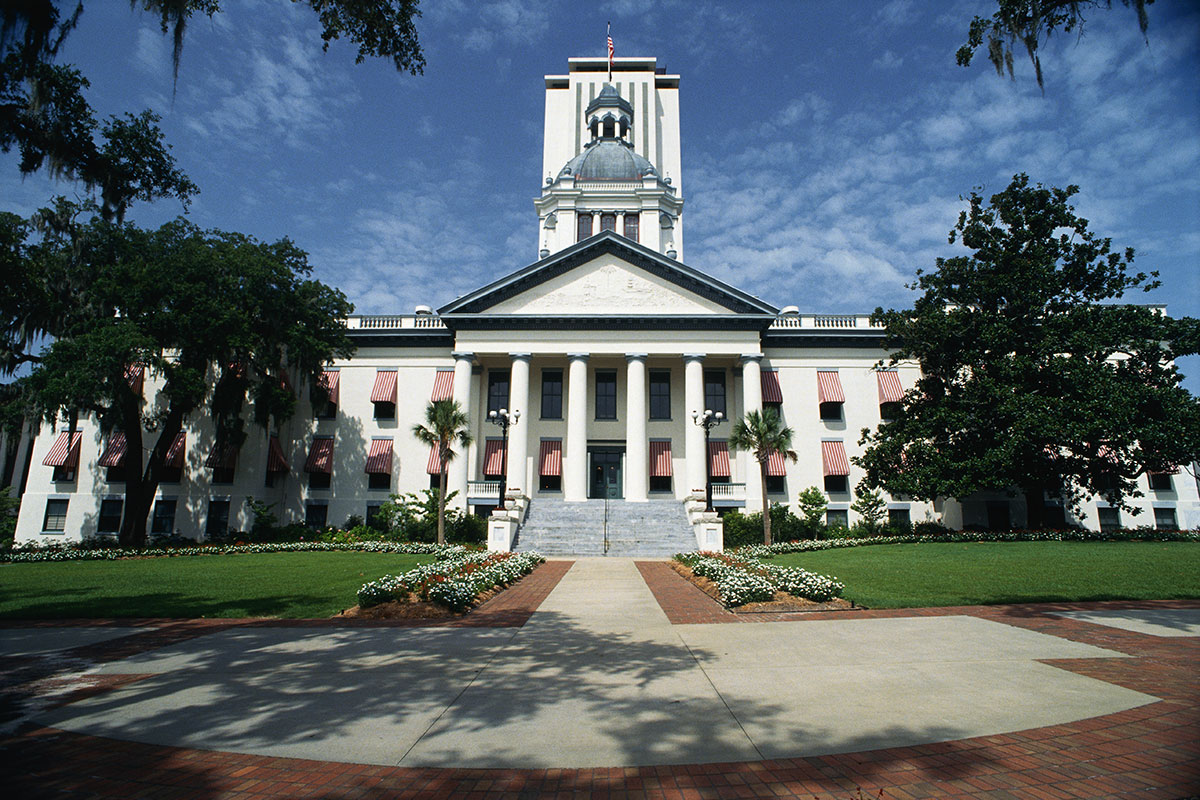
(605,346)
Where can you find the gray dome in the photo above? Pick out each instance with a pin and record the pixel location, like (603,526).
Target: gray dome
(608,160)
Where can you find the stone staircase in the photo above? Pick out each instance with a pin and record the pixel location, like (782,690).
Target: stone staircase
(654,529)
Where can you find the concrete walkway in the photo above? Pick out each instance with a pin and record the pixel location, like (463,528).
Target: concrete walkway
(597,677)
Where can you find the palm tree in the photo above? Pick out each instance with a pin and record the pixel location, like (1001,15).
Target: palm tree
(445,424)
(763,434)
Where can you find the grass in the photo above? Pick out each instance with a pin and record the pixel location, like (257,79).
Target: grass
(980,573)
(283,585)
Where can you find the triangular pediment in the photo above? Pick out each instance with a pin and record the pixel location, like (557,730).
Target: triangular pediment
(607,275)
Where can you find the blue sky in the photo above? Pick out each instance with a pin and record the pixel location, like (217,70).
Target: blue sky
(825,144)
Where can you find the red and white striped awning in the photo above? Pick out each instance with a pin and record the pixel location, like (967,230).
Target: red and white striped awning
(320,455)
(330,380)
(275,460)
(829,386)
(114,451)
(434,465)
(174,458)
(833,457)
(385,387)
(379,457)
(718,459)
(550,458)
(65,452)
(223,455)
(660,459)
(776,465)
(493,457)
(136,375)
(771,391)
(890,390)
(443,385)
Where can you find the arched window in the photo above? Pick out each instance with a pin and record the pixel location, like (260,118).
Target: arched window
(610,128)
(585,227)
(608,222)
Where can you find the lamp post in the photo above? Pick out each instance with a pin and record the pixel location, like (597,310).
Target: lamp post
(708,420)
(505,419)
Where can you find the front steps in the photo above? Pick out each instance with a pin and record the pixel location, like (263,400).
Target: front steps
(654,529)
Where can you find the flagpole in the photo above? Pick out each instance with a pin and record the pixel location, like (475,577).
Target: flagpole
(608,34)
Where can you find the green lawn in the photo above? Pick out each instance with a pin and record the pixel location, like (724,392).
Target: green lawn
(913,575)
(287,585)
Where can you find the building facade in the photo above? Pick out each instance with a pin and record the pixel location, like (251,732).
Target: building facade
(607,347)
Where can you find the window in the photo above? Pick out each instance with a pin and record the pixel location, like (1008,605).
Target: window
(115,475)
(608,222)
(889,411)
(110,516)
(172,468)
(585,227)
(217,524)
(1160,481)
(831,412)
(550,483)
(329,380)
(56,516)
(550,465)
(606,394)
(222,475)
(164,516)
(373,518)
(660,465)
(379,464)
(64,474)
(660,394)
(552,393)
(776,484)
(610,128)
(315,515)
(1110,518)
(433,481)
(890,394)
(379,480)
(660,483)
(714,390)
(837,518)
(837,484)
(1164,519)
(776,407)
(899,518)
(319,480)
(497,389)
(631,227)
(385,410)
(383,394)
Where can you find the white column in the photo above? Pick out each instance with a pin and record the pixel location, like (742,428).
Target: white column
(518,435)
(575,457)
(693,400)
(456,478)
(637,456)
(751,401)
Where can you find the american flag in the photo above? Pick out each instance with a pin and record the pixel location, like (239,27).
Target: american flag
(610,52)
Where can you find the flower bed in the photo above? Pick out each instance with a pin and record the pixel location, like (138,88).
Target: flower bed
(53,553)
(756,551)
(452,582)
(741,580)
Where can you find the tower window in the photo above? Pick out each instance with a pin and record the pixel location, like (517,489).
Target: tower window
(608,222)
(585,227)
(610,128)
(631,227)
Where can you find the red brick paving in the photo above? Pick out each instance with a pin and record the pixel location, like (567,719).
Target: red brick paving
(1147,752)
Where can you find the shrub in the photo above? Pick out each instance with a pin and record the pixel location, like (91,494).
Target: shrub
(742,580)
(931,528)
(454,581)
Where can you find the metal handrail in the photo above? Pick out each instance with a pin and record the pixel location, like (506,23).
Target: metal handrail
(606,520)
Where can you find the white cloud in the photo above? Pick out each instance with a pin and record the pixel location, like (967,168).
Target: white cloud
(888,60)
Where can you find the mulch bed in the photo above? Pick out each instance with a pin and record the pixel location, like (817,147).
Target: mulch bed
(413,609)
(783,601)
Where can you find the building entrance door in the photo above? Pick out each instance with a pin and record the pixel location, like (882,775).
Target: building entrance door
(606,472)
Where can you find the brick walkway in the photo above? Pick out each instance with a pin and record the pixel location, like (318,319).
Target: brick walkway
(1147,752)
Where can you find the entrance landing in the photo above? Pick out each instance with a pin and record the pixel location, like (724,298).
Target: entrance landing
(598,676)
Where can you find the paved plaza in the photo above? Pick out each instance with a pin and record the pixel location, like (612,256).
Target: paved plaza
(599,675)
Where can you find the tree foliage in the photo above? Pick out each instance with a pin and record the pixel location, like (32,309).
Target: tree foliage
(1032,378)
(763,433)
(446,425)
(1028,23)
(219,318)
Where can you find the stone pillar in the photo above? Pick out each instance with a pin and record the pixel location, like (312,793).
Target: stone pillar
(575,457)
(693,401)
(518,435)
(751,401)
(456,478)
(637,455)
